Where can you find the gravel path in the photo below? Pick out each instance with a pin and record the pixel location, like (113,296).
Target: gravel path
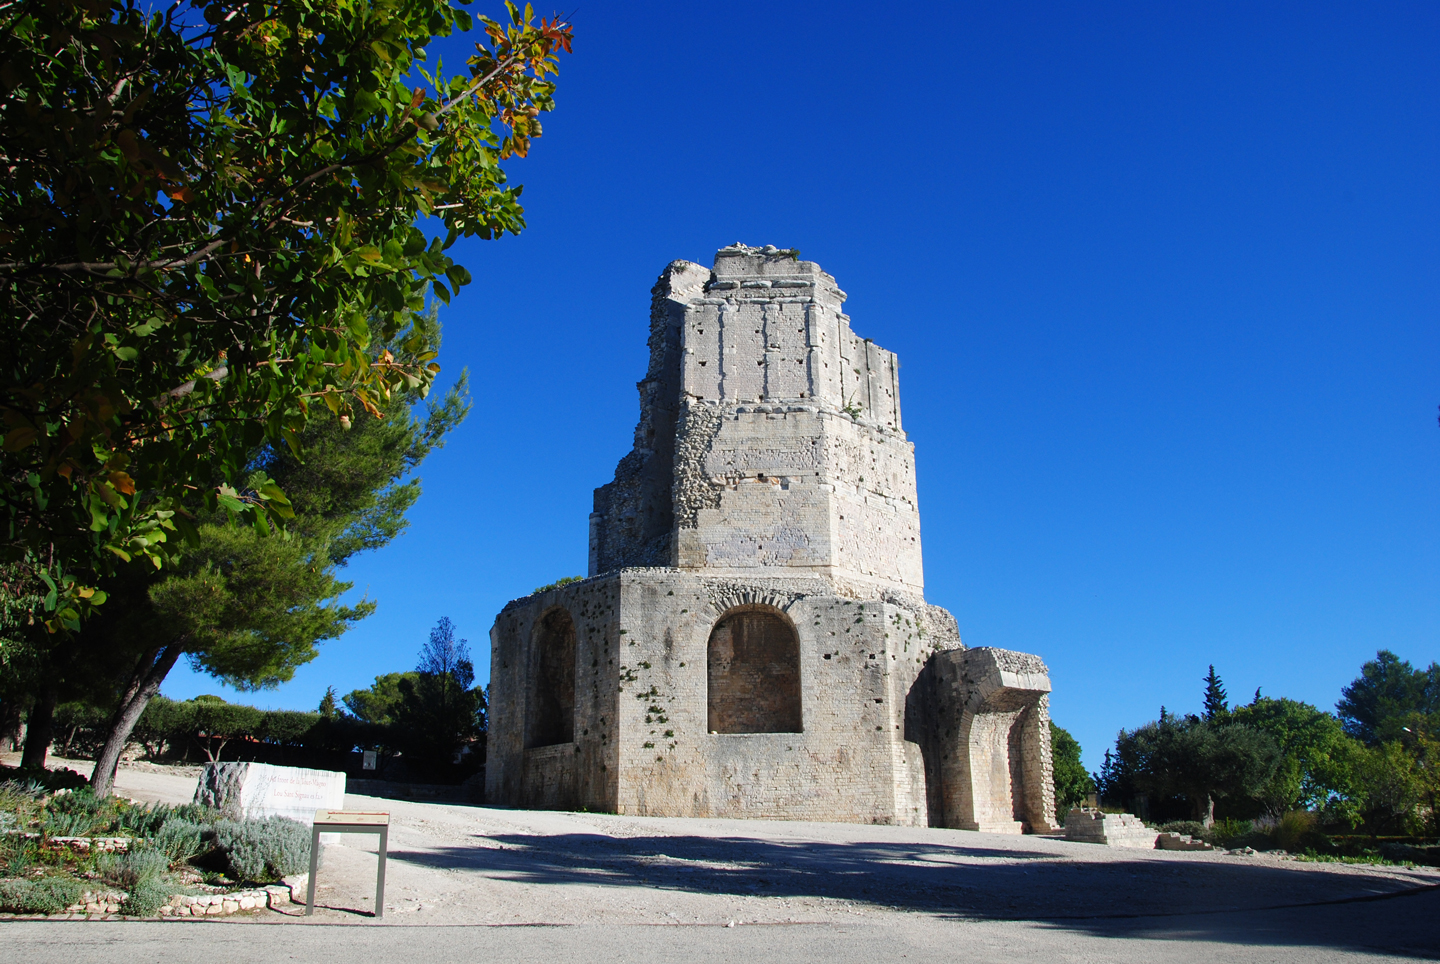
(455,864)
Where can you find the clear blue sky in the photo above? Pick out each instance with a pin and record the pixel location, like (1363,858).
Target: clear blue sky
(1162,279)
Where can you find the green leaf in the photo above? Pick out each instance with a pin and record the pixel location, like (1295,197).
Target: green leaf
(17,438)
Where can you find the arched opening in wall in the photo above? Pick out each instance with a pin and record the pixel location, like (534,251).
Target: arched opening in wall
(754,674)
(550,710)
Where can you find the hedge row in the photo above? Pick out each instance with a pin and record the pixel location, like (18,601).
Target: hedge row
(211,725)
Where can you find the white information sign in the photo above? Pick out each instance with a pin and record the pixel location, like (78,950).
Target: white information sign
(262,790)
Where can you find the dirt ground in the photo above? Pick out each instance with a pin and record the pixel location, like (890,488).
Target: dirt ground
(455,864)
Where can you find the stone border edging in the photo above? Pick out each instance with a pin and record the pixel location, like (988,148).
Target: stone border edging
(108,905)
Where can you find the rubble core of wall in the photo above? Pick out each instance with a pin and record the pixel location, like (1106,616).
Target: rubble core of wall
(634,515)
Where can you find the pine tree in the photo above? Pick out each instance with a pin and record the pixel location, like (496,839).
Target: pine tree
(249,609)
(1216,705)
(328,709)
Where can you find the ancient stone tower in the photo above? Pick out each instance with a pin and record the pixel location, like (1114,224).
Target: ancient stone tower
(753,638)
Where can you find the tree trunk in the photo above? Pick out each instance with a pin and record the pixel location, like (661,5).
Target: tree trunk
(1208,816)
(144,683)
(10,717)
(39,729)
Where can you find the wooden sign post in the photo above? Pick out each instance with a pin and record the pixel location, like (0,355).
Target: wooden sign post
(349,821)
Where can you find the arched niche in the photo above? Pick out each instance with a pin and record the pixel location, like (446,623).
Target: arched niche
(753,673)
(550,710)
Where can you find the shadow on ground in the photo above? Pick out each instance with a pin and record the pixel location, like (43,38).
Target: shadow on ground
(1191,898)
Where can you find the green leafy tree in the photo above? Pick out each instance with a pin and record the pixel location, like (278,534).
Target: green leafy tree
(208,236)
(1216,705)
(163,723)
(1192,758)
(1388,787)
(217,722)
(378,703)
(1072,783)
(1388,695)
(1314,770)
(249,609)
(329,706)
(440,709)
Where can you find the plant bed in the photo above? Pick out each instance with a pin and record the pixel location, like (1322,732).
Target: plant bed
(64,852)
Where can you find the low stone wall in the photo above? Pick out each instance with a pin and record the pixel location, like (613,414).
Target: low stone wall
(84,845)
(217,905)
(1087,825)
(109,904)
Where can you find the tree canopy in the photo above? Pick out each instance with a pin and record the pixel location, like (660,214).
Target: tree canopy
(440,710)
(210,235)
(249,609)
(1389,695)
(1072,783)
(1313,768)
(1191,757)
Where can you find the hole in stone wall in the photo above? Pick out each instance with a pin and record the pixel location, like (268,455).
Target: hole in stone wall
(551,707)
(754,674)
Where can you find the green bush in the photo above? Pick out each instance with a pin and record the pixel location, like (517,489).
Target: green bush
(1222,832)
(129,870)
(43,781)
(1292,829)
(180,839)
(147,897)
(20,856)
(71,823)
(1190,828)
(264,849)
(49,895)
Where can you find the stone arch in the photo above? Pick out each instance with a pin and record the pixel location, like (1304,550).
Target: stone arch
(550,709)
(753,672)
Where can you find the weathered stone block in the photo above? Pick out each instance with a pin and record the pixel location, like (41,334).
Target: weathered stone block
(259,789)
(1086,825)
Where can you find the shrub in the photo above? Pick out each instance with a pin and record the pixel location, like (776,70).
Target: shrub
(264,849)
(140,821)
(1190,828)
(147,897)
(180,839)
(1224,831)
(1292,827)
(49,895)
(72,823)
(20,857)
(42,781)
(131,869)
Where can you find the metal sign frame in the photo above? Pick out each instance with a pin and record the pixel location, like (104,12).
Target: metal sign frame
(349,821)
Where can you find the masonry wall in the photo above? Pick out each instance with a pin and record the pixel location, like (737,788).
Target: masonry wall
(773,430)
(849,762)
(584,771)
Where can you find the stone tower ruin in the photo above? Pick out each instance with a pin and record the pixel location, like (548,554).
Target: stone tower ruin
(753,639)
